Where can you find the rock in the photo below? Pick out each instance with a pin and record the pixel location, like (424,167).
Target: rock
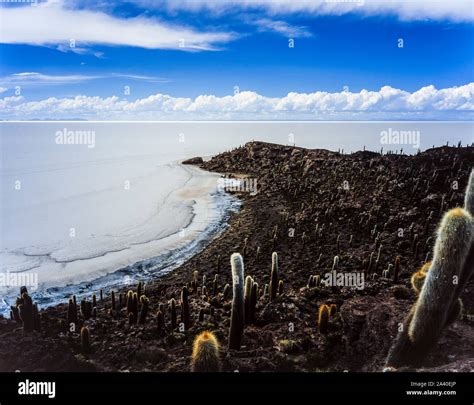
(193,161)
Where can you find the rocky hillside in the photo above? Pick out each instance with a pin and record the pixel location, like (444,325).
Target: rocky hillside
(310,207)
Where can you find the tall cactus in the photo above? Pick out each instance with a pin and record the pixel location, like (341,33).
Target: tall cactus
(237,318)
(437,303)
(274,279)
(185,313)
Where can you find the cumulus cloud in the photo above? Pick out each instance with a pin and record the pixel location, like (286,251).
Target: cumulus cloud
(51,24)
(387,102)
(453,10)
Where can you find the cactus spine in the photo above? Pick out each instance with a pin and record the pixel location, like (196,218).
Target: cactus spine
(274,276)
(237,318)
(205,356)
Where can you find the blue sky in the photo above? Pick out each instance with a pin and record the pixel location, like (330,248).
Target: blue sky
(184,49)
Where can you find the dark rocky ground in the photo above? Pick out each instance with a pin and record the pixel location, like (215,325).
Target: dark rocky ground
(297,189)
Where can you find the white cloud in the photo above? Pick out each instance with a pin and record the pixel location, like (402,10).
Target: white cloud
(3,90)
(282,27)
(35,78)
(50,24)
(454,10)
(388,102)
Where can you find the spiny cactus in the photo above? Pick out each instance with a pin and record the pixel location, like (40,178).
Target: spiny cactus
(113,301)
(438,298)
(451,248)
(145,302)
(101,295)
(323,318)
(274,277)
(174,319)
(201,315)
(396,271)
(86,309)
(418,278)
(469,195)
(247,297)
(253,301)
(185,314)
(160,322)
(215,286)
(205,356)
(280,287)
(226,292)
(332,309)
(139,289)
(85,339)
(194,282)
(26,312)
(237,318)
(94,300)
(129,301)
(71,313)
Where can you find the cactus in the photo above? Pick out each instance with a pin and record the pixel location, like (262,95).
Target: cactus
(332,310)
(247,297)
(469,195)
(86,309)
(94,300)
(71,313)
(274,276)
(253,301)
(113,301)
(237,318)
(27,312)
(215,286)
(160,322)
(131,319)
(226,292)
(139,289)
(437,303)
(85,339)
(323,318)
(145,302)
(135,306)
(371,263)
(129,301)
(194,282)
(174,321)
(280,287)
(205,356)
(101,294)
(201,315)
(185,314)
(218,264)
(418,278)
(396,271)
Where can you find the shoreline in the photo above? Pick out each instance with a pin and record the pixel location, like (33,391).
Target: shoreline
(366,320)
(207,218)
